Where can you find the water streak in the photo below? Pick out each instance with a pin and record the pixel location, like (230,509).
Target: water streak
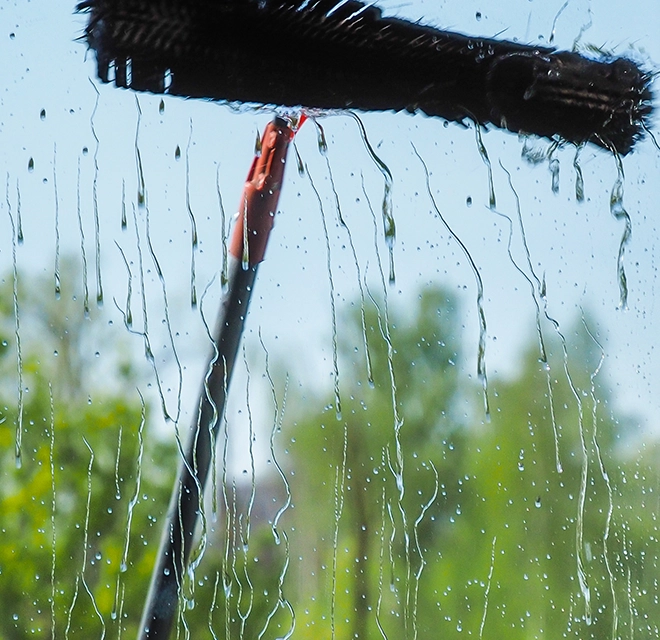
(488,584)
(605,476)
(224,277)
(166,308)
(418,547)
(19,217)
(127,313)
(193,224)
(18,445)
(95,203)
(278,535)
(83,253)
(483,152)
(481,353)
(340,487)
(81,574)
(381,564)
(344,225)
(618,211)
(539,289)
(124,222)
(141,192)
(579,178)
(53,509)
(389,225)
(58,284)
(335,348)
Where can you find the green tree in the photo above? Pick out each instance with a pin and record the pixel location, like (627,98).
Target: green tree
(68,558)
(525,535)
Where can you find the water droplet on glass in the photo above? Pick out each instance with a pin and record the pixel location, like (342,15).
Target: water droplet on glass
(537,502)
(177,153)
(161,107)
(42,115)
(31,165)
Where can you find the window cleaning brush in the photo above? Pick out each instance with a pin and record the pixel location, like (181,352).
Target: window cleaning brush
(343,54)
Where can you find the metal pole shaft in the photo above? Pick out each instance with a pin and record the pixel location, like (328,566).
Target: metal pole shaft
(257,211)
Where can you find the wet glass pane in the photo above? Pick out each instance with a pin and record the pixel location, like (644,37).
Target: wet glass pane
(441,417)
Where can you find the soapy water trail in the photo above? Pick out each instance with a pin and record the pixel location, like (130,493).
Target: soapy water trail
(344,225)
(95,202)
(389,225)
(193,224)
(483,152)
(83,252)
(18,440)
(278,536)
(58,283)
(80,575)
(538,291)
(488,585)
(53,510)
(605,476)
(340,488)
(422,560)
(335,347)
(481,352)
(123,566)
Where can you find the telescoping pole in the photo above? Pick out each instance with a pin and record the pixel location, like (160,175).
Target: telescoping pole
(247,247)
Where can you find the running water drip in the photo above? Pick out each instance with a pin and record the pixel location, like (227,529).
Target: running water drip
(340,487)
(224,274)
(148,352)
(481,352)
(579,178)
(245,258)
(537,288)
(389,226)
(553,167)
(245,528)
(335,347)
(278,536)
(83,253)
(257,145)
(123,205)
(128,314)
(53,509)
(299,160)
(487,592)
(214,602)
(19,218)
(551,39)
(123,565)
(209,396)
(418,547)
(95,203)
(489,167)
(605,476)
(618,211)
(58,284)
(141,192)
(166,308)
(117,458)
(363,319)
(381,564)
(193,224)
(321,139)
(18,454)
(80,576)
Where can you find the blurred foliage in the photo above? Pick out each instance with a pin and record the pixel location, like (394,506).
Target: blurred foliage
(411,516)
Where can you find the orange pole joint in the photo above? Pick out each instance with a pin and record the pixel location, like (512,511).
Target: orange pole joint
(256,213)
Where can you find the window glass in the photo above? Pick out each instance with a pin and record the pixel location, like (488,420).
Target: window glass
(442,418)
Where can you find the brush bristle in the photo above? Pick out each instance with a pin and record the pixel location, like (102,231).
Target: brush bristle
(333,55)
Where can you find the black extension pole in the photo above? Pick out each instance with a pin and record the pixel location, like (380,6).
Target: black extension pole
(254,222)
(332,54)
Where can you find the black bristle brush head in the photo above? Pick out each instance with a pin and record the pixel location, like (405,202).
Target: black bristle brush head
(333,55)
